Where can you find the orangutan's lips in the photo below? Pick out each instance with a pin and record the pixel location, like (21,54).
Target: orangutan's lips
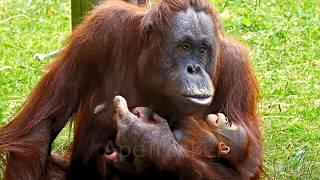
(201,100)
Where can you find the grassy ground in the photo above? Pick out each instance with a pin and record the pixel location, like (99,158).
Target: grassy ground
(284,37)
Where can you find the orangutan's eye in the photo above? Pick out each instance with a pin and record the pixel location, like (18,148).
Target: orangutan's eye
(185,47)
(203,50)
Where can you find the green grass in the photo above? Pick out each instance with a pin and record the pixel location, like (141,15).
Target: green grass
(284,37)
(26,28)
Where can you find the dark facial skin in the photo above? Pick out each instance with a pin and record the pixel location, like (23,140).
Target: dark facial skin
(185,67)
(191,51)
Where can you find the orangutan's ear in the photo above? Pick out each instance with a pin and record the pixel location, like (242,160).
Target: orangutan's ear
(223,149)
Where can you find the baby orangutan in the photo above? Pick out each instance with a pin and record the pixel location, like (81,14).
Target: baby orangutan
(214,139)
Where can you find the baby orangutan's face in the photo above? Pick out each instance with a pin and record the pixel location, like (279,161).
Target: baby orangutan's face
(220,121)
(232,138)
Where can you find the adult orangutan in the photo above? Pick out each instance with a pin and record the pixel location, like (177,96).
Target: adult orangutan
(172,58)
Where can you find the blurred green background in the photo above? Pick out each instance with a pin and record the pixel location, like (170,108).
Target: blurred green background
(284,37)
